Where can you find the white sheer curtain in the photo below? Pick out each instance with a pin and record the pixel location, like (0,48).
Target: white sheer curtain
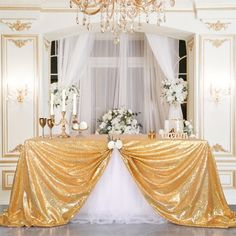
(166,54)
(125,75)
(128,74)
(165,51)
(73,56)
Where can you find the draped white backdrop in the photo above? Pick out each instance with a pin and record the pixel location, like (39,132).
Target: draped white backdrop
(128,74)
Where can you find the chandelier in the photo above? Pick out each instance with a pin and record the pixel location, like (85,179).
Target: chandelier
(119,16)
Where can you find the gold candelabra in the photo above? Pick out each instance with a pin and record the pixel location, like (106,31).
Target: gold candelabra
(82,126)
(63,122)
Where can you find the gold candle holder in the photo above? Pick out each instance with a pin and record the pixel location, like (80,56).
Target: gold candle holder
(152,134)
(63,122)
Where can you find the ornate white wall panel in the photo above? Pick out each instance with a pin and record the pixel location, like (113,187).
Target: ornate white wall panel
(217,103)
(19,119)
(7,172)
(19,71)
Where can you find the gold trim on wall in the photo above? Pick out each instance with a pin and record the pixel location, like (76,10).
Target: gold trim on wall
(231,174)
(5,184)
(47,44)
(218,148)
(17,149)
(217,26)
(20,42)
(217,42)
(6,152)
(17,25)
(190,44)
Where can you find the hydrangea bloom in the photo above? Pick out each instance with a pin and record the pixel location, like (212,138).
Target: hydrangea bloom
(174,91)
(118,121)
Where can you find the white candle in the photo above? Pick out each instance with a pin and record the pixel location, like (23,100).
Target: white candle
(177,126)
(63,100)
(52,104)
(167,126)
(74,104)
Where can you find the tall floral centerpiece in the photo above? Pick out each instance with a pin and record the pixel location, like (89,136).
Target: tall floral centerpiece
(119,121)
(174,92)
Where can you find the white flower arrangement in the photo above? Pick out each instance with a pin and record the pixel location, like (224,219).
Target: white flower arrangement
(119,121)
(188,128)
(174,91)
(57,91)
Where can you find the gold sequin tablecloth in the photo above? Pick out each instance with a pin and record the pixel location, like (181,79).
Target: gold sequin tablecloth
(178,178)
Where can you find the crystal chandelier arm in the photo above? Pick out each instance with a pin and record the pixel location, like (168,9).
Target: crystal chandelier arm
(89,8)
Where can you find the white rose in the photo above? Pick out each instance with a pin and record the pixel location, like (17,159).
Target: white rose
(134,122)
(187,123)
(102,125)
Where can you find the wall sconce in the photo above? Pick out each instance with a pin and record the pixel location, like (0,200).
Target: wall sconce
(21,94)
(217,93)
(18,94)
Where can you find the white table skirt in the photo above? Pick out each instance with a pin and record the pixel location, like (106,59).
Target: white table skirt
(117,199)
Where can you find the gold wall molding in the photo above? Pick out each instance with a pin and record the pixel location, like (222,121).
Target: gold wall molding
(18,149)
(218,148)
(17,25)
(217,42)
(20,42)
(229,174)
(6,185)
(190,44)
(47,44)
(217,26)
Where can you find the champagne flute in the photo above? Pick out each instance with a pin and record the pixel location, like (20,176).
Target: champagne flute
(50,123)
(42,122)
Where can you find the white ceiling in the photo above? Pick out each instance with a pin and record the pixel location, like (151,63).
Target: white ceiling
(180,4)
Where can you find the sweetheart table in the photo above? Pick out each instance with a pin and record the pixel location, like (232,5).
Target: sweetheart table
(59,180)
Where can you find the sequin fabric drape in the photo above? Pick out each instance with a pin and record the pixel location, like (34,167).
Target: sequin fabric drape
(178,178)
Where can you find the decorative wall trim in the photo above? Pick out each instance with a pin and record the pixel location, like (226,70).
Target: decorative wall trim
(226,153)
(217,26)
(218,148)
(17,25)
(6,185)
(18,149)
(20,42)
(47,44)
(190,44)
(230,176)
(217,42)
(7,151)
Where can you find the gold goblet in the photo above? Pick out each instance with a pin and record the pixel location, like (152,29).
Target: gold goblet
(42,122)
(50,123)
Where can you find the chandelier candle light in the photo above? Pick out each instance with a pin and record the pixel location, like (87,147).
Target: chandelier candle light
(119,16)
